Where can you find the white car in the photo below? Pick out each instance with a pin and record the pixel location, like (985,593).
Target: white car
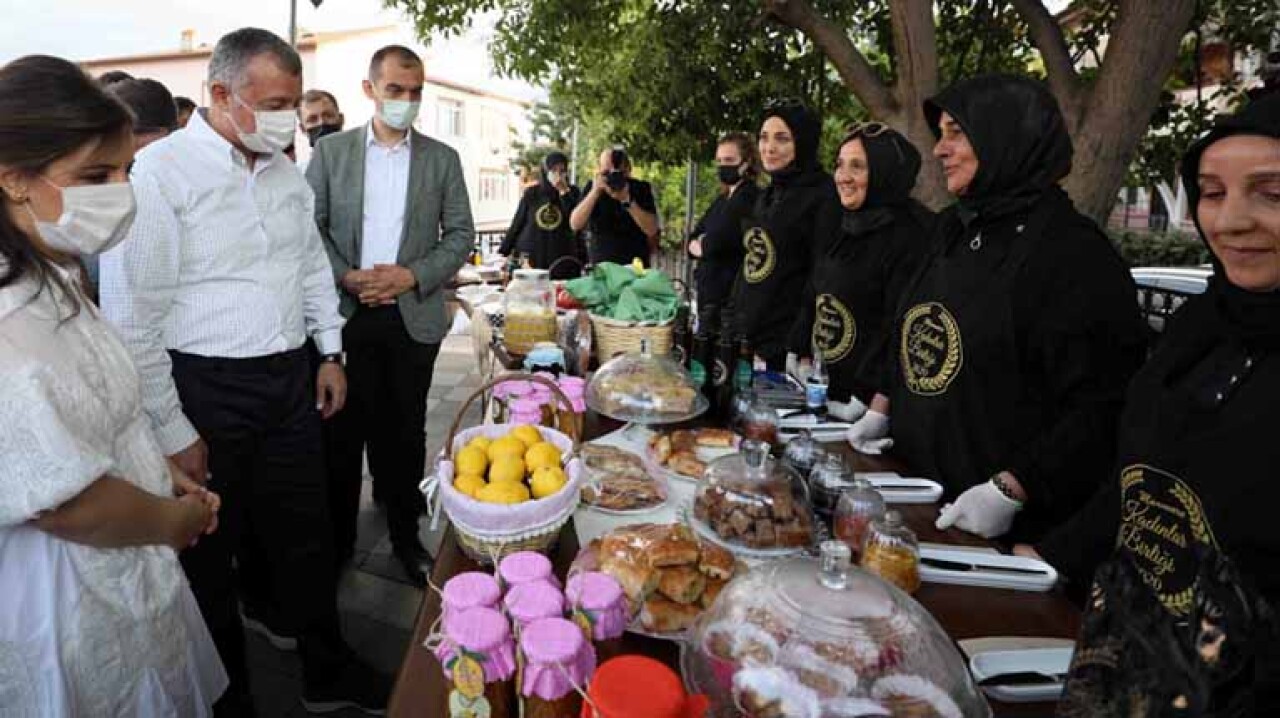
(1162,290)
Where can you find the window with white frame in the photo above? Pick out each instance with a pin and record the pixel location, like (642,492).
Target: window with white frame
(449,118)
(494,185)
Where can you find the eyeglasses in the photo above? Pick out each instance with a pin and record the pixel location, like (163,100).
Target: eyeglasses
(866,129)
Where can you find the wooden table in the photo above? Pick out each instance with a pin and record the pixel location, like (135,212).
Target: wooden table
(964,612)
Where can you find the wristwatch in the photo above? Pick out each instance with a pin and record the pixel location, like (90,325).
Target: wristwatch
(626,204)
(332,359)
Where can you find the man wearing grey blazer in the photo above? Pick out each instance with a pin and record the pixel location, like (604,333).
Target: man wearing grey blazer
(392,207)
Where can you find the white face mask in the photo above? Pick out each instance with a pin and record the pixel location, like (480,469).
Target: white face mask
(399,114)
(276,129)
(94,218)
(554,176)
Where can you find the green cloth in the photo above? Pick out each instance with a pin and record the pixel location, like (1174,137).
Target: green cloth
(614,291)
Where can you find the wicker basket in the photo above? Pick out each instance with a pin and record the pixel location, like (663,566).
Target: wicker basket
(487,533)
(614,336)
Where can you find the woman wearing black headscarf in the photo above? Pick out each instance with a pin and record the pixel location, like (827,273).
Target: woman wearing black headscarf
(797,212)
(1182,613)
(1018,336)
(540,229)
(857,280)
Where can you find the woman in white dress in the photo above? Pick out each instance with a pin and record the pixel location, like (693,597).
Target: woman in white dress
(96,618)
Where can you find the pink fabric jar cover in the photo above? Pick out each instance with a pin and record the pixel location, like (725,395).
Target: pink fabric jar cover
(472,589)
(524,567)
(599,596)
(482,631)
(528,602)
(524,411)
(557,657)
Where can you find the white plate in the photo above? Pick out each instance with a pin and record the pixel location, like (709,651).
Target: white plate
(919,491)
(1045,578)
(1051,661)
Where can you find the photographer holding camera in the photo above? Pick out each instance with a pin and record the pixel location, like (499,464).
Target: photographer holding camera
(619,211)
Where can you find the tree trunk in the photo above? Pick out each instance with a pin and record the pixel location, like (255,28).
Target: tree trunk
(1141,52)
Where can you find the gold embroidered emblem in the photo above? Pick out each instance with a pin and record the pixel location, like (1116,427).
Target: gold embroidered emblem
(1161,521)
(761,255)
(931,353)
(548,217)
(834,330)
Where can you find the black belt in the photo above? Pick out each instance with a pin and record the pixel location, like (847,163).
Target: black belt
(269,363)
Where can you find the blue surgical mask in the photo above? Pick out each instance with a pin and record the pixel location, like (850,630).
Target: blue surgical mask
(399,114)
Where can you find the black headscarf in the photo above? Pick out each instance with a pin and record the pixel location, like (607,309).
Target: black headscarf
(1253,317)
(1018,134)
(893,164)
(806,131)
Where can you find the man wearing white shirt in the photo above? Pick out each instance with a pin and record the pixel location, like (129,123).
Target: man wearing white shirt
(220,283)
(392,207)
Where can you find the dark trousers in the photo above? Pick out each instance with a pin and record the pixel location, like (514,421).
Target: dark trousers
(388,377)
(259,419)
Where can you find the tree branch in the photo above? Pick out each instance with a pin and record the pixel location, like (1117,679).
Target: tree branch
(915,42)
(1047,36)
(852,65)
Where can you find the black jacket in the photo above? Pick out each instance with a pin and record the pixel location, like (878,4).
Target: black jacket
(857,281)
(721,232)
(1021,332)
(1180,543)
(796,215)
(540,229)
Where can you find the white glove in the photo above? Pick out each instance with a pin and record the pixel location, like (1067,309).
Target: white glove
(983,510)
(851,411)
(870,434)
(798,367)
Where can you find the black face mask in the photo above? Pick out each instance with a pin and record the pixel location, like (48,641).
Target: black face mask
(615,179)
(729,174)
(315,133)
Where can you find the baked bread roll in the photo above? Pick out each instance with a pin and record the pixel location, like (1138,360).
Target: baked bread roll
(637,581)
(717,438)
(675,549)
(682,584)
(716,562)
(686,463)
(663,616)
(709,592)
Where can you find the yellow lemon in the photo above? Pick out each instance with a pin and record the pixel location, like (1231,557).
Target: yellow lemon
(526,433)
(547,481)
(506,446)
(480,442)
(469,484)
(471,460)
(541,454)
(507,468)
(503,492)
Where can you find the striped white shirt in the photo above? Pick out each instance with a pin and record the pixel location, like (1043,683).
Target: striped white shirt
(222,261)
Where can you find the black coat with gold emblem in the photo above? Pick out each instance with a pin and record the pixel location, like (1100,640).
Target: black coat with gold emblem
(854,289)
(1019,335)
(540,229)
(792,224)
(1182,617)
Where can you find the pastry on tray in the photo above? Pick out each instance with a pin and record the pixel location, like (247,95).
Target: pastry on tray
(618,481)
(668,575)
(663,616)
(678,450)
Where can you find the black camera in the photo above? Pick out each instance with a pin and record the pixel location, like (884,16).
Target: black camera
(616,178)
